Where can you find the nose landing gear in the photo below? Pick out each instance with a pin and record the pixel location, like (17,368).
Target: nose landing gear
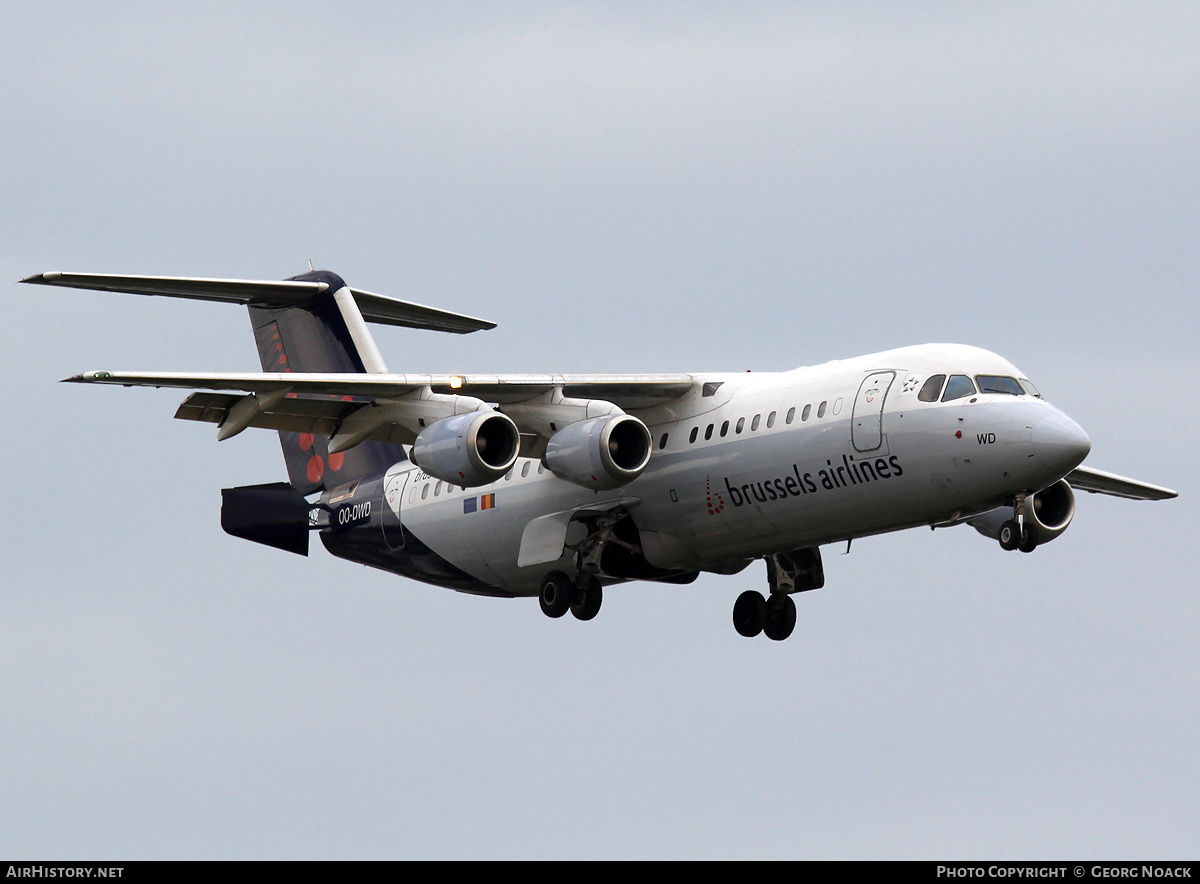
(1017,533)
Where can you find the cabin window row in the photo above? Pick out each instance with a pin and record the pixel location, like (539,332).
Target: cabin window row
(740,427)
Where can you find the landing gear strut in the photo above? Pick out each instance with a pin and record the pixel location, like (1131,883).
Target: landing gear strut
(1017,533)
(787,573)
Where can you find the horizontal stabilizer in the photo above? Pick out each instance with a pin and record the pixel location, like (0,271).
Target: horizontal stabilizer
(1099,482)
(267,293)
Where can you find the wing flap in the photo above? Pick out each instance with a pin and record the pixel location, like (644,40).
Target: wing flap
(1099,482)
(321,417)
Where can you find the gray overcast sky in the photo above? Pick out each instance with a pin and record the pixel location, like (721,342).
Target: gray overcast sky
(691,186)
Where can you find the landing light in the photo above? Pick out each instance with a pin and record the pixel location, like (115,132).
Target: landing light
(456,382)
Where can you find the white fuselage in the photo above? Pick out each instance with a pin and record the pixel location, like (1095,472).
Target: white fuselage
(769,462)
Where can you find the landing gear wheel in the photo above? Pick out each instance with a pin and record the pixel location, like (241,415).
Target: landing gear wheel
(557,594)
(749,613)
(588,596)
(781,617)
(1029,539)
(1010,535)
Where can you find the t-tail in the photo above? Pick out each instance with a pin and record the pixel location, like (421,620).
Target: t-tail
(312,324)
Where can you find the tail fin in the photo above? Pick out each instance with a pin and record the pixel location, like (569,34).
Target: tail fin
(325,333)
(311,323)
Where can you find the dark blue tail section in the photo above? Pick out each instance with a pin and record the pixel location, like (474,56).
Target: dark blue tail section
(314,337)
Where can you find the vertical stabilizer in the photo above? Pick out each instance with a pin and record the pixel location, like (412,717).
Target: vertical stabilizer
(325,333)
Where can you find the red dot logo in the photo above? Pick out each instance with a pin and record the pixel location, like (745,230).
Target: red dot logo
(316,468)
(709,496)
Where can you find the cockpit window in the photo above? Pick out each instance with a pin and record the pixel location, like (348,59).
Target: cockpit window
(931,388)
(960,385)
(1030,388)
(990,383)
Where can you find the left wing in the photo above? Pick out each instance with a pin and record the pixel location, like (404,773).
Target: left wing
(1099,482)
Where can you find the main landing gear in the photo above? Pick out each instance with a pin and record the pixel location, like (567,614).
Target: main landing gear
(582,596)
(787,573)
(1017,532)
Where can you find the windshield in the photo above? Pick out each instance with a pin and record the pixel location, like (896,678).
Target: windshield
(990,383)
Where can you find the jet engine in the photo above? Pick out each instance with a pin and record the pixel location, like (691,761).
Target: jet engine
(468,449)
(1050,511)
(601,453)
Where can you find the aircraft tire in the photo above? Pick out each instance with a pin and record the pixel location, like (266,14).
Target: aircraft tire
(1029,539)
(749,613)
(557,594)
(781,617)
(1010,535)
(588,595)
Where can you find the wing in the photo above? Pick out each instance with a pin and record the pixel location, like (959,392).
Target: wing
(627,391)
(267,293)
(392,406)
(1099,482)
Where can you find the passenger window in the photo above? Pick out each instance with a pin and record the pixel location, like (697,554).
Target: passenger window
(708,432)
(724,429)
(437,490)
(959,385)
(425,491)
(770,420)
(990,383)
(541,468)
(821,410)
(791,414)
(662,443)
(525,469)
(931,388)
(754,423)
(510,472)
(412,494)
(741,425)
(692,438)
(804,414)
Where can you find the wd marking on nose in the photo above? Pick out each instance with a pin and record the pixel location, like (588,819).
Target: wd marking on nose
(986,438)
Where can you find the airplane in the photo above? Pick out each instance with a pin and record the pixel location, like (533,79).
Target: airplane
(556,486)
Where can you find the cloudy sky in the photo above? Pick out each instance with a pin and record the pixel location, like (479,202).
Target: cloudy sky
(684,187)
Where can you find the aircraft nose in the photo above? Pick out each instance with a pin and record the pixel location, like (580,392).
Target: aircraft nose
(1060,442)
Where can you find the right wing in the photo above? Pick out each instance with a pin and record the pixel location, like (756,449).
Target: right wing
(1099,482)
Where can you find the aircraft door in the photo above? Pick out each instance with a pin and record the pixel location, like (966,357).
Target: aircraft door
(393,495)
(866,431)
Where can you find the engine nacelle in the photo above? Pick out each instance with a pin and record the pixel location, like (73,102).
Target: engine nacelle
(468,449)
(1051,510)
(604,452)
